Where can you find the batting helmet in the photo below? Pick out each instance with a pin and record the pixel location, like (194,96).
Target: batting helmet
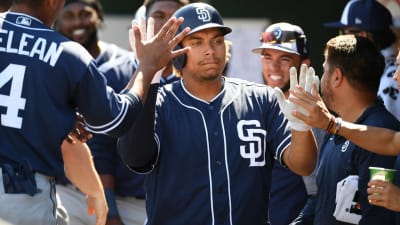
(198,16)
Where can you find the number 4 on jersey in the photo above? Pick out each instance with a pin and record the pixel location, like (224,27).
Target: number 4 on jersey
(13,102)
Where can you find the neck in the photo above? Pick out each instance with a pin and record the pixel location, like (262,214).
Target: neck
(205,90)
(94,48)
(353,108)
(36,12)
(167,71)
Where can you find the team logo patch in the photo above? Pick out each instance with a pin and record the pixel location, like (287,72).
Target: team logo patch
(23,20)
(250,132)
(203,14)
(277,32)
(345,146)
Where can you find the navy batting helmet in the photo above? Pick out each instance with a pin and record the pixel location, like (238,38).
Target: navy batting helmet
(198,16)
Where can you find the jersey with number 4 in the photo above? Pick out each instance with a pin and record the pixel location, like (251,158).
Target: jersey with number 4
(44,78)
(215,158)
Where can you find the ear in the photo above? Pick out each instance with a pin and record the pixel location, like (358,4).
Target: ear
(337,77)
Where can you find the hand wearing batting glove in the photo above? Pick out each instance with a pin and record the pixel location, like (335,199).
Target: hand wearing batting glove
(147,33)
(306,79)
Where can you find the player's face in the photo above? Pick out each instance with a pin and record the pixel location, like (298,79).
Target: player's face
(396,75)
(206,58)
(275,67)
(161,11)
(79,22)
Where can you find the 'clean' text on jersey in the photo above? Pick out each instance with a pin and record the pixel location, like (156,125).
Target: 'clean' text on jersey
(30,46)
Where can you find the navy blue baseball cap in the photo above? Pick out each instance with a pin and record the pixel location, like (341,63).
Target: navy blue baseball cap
(199,16)
(368,15)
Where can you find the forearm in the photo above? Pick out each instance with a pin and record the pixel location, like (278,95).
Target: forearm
(137,147)
(301,156)
(79,168)
(378,140)
(140,82)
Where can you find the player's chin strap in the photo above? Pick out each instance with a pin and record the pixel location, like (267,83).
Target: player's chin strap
(307,77)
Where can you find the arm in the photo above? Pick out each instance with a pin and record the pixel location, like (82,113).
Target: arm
(301,155)
(137,147)
(105,153)
(378,140)
(79,169)
(108,182)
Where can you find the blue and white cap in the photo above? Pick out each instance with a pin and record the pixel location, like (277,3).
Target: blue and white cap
(284,37)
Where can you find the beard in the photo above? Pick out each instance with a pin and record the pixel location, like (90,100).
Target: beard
(92,40)
(286,87)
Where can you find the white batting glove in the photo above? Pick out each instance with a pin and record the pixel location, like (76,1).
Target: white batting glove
(306,79)
(147,33)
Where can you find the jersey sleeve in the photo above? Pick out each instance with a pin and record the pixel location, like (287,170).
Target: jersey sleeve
(279,132)
(105,111)
(137,147)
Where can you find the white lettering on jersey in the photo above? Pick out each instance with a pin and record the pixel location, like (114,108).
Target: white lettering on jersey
(345,146)
(250,131)
(13,102)
(46,52)
(203,14)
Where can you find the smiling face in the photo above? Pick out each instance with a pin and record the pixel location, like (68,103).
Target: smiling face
(79,22)
(276,65)
(206,58)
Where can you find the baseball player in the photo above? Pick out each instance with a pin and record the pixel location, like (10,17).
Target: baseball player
(283,46)
(124,190)
(210,153)
(80,21)
(352,70)
(371,19)
(44,79)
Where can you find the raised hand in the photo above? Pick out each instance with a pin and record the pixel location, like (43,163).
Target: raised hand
(156,50)
(307,78)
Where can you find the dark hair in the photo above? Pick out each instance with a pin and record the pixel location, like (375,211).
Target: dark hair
(95,4)
(149,3)
(358,58)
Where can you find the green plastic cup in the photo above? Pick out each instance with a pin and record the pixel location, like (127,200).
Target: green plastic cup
(379,173)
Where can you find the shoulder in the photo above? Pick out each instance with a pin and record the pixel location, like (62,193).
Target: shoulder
(378,115)
(112,52)
(76,51)
(247,87)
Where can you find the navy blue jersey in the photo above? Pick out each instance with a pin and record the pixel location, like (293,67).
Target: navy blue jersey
(110,53)
(44,78)
(215,158)
(288,195)
(339,158)
(118,72)
(106,158)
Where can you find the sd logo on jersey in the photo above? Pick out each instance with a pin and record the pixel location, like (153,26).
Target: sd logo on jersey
(249,131)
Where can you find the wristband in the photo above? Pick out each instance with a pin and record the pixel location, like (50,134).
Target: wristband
(334,125)
(112,203)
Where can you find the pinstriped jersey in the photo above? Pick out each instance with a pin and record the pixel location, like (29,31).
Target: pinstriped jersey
(44,78)
(215,158)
